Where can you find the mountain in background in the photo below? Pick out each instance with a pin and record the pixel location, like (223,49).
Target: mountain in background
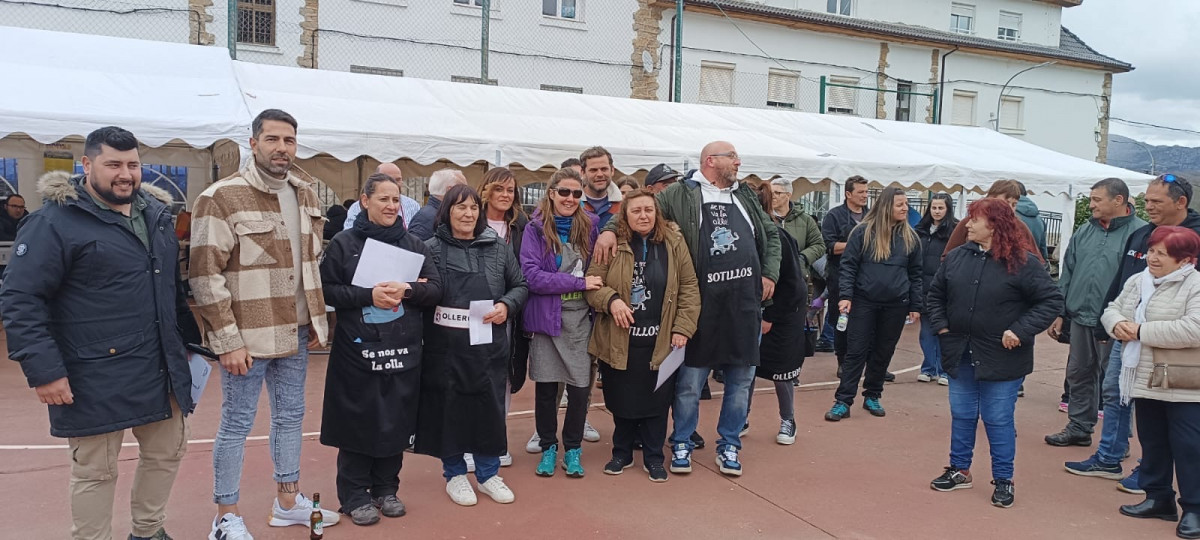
(1131,154)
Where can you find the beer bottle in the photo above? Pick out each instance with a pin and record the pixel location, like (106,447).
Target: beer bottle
(316,523)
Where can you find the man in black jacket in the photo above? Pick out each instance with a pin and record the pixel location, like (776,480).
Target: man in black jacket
(1167,199)
(94,314)
(10,217)
(440,182)
(835,230)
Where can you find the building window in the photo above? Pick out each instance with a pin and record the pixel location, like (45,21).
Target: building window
(8,176)
(476,3)
(1010,26)
(369,70)
(559,8)
(256,22)
(567,89)
(962,18)
(842,100)
(471,80)
(904,101)
(840,7)
(1012,113)
(716,82)
(962,111)
(781,88)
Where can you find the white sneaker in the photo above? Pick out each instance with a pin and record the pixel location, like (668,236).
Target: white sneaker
(470,459)
(497,490)
(534,446)
(945,381)
(460,491)
(300,513)
(506,460)
(563,404)
(589,433)
(229,527)
(924,377)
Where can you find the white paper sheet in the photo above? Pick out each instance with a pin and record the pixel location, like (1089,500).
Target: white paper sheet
(201,369)
(481,332)
(380,262)
(669,366)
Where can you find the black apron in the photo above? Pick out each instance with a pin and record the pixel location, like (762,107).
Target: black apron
(373,381)
(781,349)
(730,280)
(630,393)
(462,385)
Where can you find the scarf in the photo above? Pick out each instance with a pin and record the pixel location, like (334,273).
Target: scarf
(563,224)
(388,235)
(1131,352)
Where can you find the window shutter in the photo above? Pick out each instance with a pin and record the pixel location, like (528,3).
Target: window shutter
(963,109)
(781,88)
(1010,113)
(842,100)
(716,82)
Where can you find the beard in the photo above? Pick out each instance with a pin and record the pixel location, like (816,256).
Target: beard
(109,196)
(264,162)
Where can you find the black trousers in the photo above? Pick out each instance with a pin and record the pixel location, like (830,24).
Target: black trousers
(361,478)
(545,413)
(652,432)
(871,336)
(1170,437)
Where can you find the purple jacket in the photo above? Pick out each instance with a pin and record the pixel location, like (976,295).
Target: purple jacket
(543,310)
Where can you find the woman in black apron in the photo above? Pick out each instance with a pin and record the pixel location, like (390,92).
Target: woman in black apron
(781,351)
(374,373)
(464,385)
(648,307)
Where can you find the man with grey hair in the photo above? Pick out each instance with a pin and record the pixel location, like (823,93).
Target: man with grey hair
(408,205)
(439,183)
(1089,266)
(797,223)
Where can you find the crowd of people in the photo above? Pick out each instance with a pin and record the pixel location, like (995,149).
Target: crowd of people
(606,279)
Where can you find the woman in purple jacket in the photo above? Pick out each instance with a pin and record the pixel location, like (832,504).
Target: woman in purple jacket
(554,254)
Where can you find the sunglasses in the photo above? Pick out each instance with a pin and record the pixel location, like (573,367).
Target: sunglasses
(574,194)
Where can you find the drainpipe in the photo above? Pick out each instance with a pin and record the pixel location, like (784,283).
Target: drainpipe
(942,86)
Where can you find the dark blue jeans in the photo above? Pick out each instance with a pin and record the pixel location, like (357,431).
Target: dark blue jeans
(932,348)
(994,402)
(485,467)
(1115,431)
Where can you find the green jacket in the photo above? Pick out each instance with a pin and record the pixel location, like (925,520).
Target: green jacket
(807,233)
(1091,264)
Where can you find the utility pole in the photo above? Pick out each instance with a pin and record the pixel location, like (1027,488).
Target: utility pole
(231,25)
(678,97)
(483,45)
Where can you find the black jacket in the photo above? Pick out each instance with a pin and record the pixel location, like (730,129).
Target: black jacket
(932,246)
(791,291)
(424,223)
(8,226)
(836,227)
(1134,259)
(976,299)
(501,265)
(896,280)
(84,299)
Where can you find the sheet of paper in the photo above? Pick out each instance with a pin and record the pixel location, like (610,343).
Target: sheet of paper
(201,369)
(380,262)
(481,332)
(669,366)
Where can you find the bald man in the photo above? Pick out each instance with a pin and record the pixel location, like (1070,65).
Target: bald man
(408,205)
(736,252)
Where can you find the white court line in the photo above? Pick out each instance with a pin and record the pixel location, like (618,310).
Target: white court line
(511,414)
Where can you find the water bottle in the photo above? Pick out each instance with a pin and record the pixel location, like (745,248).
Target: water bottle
(843,320)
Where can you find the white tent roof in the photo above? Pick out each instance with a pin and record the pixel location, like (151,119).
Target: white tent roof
(62,84)
(164,91)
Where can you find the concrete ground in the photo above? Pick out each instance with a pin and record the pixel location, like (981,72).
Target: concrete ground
(862,478)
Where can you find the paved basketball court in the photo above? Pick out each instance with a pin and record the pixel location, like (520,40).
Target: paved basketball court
(861,478)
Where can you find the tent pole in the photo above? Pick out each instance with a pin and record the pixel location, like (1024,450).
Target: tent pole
(483,45)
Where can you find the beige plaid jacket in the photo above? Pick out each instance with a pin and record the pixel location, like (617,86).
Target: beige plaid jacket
(241,266)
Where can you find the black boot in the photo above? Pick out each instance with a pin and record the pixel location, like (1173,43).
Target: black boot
(1151,508)
(1189,526)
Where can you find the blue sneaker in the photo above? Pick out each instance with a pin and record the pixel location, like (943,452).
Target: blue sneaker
(872,406)
(546,465)
(727,460)
(837,412)
(571,463)
(681,460)
(1129,484)
(1093,467)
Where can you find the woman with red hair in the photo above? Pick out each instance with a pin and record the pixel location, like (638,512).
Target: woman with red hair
(991,296)
(1157,319)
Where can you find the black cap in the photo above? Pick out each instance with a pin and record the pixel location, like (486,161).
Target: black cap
(661,173)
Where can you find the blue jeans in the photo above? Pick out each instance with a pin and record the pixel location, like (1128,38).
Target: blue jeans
(284,378)
(734,404)
(1114,434)
(827,331)
(992,401)
(485,467)
(932,347)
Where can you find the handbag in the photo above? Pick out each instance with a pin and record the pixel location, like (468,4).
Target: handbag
(1175,369)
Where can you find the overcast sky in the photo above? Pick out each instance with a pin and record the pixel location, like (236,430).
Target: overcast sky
(1161,38)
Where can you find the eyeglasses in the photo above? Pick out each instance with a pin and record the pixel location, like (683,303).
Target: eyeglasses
(18,207)
(574,194)
(731,155)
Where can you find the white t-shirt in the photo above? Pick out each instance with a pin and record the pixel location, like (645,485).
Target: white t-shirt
(501,228)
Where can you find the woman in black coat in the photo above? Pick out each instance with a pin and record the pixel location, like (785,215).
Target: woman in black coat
(934,229)
(374,374)
(992,295)
(464,384)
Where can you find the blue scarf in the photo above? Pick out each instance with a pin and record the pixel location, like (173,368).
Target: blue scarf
(563,226)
